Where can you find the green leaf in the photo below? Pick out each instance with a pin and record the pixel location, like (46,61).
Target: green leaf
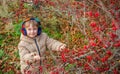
(26,5)
(1,72)
(16,53)
(1,53)
(5,59)
(57,35)
(1,40)
(69,66)
(17,28)
(9,72)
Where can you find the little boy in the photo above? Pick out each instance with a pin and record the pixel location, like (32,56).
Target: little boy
(33,44)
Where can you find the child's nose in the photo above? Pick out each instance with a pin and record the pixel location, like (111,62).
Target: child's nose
(32,31)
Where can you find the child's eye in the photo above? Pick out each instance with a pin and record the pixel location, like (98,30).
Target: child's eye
(29,29)
(35,28)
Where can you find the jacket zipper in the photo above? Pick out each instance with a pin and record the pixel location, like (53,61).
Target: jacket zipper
(38,51)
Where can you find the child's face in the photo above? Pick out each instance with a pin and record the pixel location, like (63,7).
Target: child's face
(32,31)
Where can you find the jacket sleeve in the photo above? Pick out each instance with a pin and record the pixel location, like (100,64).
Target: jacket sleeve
(25,55)
(53,44)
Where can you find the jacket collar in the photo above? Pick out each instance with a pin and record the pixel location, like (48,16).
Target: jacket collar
(28,39)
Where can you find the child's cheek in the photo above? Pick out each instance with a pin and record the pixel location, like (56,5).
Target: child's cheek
(35,31)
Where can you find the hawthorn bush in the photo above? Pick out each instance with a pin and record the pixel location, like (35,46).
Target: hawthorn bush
(90,28)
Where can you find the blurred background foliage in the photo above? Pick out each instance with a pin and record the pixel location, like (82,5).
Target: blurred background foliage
(60,19)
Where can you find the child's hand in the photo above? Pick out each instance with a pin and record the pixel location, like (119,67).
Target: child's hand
(36,57)
(62,47)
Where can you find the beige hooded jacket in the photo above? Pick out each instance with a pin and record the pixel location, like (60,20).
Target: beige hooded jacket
(30,47)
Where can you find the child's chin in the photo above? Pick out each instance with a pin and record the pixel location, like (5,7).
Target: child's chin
(32,36)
